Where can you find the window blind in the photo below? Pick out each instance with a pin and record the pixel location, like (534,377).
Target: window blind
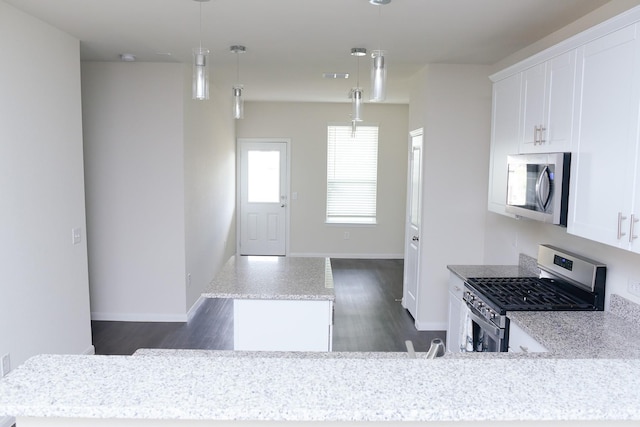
(352,174)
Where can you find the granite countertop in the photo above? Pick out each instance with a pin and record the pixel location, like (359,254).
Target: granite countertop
(582,334)
(290,278)
(321,389)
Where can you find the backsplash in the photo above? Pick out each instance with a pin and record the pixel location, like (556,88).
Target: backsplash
(528,263)
(624,308)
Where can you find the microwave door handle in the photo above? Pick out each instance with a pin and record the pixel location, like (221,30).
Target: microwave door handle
(543,189)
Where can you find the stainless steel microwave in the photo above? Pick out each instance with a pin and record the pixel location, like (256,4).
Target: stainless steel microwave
(538,186)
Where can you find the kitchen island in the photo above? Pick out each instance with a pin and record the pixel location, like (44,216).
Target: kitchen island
(279,303)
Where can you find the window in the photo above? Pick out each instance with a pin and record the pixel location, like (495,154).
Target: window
(352,174)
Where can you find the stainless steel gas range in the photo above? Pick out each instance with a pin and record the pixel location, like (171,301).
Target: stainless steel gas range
(568,282)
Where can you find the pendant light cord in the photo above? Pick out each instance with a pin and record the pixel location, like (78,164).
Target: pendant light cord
(200,25)
(237,67)
(380,28)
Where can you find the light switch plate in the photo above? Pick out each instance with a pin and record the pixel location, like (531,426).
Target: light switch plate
(76,235)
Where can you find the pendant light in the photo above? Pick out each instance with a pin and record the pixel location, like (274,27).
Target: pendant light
(356,92)
(378,66)
(200,83)
(238,101)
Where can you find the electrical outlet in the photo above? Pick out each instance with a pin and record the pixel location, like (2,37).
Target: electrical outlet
(346,235)
(634,286)
(5,365)
(189,279)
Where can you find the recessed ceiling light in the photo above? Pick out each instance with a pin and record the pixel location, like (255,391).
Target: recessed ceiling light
(127,57)
(379,2)
(335,75)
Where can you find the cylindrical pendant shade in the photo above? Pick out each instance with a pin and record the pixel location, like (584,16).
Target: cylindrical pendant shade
(200,73)
(356,114)
(378,77)
(238,103)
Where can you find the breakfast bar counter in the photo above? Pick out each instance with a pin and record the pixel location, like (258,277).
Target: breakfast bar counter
(170,390)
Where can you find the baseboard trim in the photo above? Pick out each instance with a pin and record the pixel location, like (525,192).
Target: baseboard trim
(349,256)
(194,308)
(138,317)
(7,421)
(431,326)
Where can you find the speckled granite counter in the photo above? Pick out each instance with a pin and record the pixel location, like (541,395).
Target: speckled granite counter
(295,278)
(321,389)
(592,334)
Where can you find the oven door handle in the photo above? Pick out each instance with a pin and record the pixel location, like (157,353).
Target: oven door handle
(487,326)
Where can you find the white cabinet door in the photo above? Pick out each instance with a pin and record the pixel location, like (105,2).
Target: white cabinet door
(533,100)
(603,174)
(456,288)
(547,105)
(505,119)
(522,342)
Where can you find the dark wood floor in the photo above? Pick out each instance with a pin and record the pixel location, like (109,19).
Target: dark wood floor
(368,317)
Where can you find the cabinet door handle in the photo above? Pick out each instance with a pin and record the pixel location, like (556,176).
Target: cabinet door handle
(620,219)
(536,137)
(631,227)
(540,140)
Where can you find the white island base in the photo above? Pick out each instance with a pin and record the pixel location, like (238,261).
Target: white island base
(282,325)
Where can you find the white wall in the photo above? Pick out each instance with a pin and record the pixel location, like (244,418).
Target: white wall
(506,237)
(453,105)
(134,160)
(209,192)
(160,173)
(306,125)
(44,302)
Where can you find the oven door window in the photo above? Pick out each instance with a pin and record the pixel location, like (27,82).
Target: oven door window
(487,337)
(483,341)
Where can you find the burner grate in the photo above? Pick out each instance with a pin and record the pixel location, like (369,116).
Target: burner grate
(527,293)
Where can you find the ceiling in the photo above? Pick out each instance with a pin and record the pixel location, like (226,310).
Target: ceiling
(291,43)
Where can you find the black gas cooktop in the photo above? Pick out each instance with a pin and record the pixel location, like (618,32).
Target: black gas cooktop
(528,294)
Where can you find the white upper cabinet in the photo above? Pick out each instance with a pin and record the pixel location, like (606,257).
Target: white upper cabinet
(547,105)
(605,181)
(505,118)
(580,96)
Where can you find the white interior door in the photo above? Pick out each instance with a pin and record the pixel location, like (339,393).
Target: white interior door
(263,203)
(412,234)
